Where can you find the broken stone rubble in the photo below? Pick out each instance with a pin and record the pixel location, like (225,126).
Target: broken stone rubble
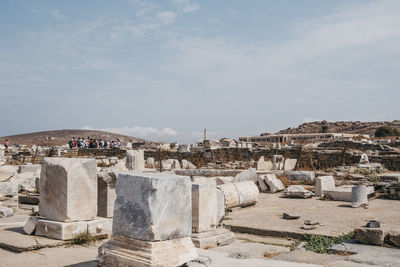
(297,191)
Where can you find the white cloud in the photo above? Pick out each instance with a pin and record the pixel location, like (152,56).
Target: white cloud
(150,133)
(186,5)
(58,15)
(166,17)
(329,64)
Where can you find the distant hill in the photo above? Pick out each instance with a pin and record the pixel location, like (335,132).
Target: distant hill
(355,127)
(61,137)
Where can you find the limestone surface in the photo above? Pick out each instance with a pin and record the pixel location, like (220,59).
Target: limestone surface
(297,191)
(153,206)
(106,194)
(322,184)
(68,189)
(248,193)
(263,165)
(6,212)
(204,205)
(30,225)
(68,230)
(274,184)
(289,164)
(300,175)
(135,160)
(125,251)
(247,175)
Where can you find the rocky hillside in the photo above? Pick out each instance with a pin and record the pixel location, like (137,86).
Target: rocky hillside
(355,127)
(61,137)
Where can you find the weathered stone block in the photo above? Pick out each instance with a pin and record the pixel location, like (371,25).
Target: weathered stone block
(247,175)
(135,160)
(29,168)
(297,191)
(204,205)
(344,193)
(290,164)
(213,238)
(125,251)
(68,189)
(262,185)
(68,230)
(322,184)
(6,212)
(106,194)
(30,225)
(372,236)
(153,207)
(300,175)
(274,184)
(263,165)
(220,205)
(393,238)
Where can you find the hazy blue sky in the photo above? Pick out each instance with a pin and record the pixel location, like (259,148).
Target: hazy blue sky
(168,69)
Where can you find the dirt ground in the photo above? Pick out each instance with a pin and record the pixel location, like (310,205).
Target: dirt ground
(336,217)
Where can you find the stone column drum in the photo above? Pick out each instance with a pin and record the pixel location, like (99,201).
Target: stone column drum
(240,194)
(359,196)
(152,222)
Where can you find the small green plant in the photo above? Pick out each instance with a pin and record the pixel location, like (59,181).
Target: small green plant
(321,244)
(228,227)
(227,212)
(373,178)
(83,238)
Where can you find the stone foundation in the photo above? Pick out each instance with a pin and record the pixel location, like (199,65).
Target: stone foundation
(125,251)
(213,238)
(68,230)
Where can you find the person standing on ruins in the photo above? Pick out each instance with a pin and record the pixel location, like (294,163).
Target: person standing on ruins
(6,144)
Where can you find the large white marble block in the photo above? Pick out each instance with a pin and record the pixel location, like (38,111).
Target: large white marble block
(68,189)
(153,207)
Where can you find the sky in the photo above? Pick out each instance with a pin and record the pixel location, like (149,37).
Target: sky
(166,70)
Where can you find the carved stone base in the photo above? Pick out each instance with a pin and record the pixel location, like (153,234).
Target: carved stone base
(125,251)
(213,238)
(67,230)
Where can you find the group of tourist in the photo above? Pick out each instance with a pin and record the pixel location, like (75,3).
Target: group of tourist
(82,143)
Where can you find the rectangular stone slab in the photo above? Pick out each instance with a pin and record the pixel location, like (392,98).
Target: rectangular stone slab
(204,205)
(153,206)
(68,189)
(213,238)
(125,251)
(68,230)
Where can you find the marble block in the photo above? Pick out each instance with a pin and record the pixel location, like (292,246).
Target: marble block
(204,205)
(153,206)
(135,160)
(68,189)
